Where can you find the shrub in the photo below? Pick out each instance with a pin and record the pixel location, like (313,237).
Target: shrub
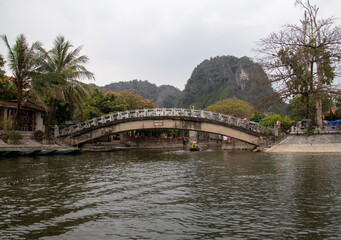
(13,137)
(309,131)
(234,107)
(271,120)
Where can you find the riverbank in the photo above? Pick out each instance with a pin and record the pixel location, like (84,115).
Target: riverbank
(326,143)
(30,143)
(30,147)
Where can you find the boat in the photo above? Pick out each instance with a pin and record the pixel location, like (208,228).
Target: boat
(75,151)
(195,147)
(28,152)
(7,152)
(63,151)
(46,152)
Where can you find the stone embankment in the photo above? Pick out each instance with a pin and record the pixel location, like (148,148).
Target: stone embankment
(30,143)
(322,143)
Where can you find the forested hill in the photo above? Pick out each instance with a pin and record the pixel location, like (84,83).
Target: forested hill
(212,80)
(226,77)
(162,96)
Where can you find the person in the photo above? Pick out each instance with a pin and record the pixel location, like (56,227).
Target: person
(195,147)
(184,141)
(194,144)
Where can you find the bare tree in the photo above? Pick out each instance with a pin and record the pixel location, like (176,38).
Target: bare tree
(304,59)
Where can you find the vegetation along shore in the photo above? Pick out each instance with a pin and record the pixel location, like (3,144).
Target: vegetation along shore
(293,83)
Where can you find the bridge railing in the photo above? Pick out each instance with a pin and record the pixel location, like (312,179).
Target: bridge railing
(172,112)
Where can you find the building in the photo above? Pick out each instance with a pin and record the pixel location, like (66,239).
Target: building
(30,117)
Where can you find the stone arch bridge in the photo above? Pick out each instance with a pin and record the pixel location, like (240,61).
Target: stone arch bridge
(162,118)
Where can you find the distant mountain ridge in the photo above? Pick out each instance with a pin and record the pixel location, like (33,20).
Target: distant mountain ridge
(212,80)
(163,96)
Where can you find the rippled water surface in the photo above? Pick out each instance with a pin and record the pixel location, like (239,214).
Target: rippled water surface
(171,195)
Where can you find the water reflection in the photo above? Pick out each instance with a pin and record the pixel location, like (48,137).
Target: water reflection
(171,195)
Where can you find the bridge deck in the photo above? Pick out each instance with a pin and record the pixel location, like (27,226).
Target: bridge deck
(186,119)
(164,112)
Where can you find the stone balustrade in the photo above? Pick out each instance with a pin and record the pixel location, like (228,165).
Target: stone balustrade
(296,130)
(162,112)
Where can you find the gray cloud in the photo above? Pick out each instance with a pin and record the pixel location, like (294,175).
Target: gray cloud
(156,40)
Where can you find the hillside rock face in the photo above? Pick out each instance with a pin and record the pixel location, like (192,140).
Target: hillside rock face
(163,96)
(226,77)
(212,80)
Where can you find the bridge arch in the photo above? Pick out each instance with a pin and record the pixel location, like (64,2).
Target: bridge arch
(184,119)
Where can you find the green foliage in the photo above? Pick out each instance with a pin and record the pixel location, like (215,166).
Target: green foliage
(62,113)
(127,100)
(99,104)
(168,101)
(271,120)
(302,59)
(228,77)
(12,137)
(234,107)
(22,61)
(257,116)
(6,124)
(7,90)
(163,96)
(298,106)
(91,112)
(58,80)
(269,132)
(2,64)
(105,103)
(309,131)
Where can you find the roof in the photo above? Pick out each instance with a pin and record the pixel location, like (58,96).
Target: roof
(27,105)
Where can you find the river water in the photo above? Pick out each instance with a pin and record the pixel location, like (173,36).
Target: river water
(171,195)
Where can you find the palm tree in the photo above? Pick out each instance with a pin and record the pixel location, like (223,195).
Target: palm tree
(61,69)
(2,64)
(23,62)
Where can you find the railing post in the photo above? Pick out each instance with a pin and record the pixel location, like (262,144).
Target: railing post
(56,131)
(94,122)
(276,130)
(162,112)
(102,119)
(111,117)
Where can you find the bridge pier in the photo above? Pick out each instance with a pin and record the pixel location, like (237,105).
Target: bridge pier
(193,136)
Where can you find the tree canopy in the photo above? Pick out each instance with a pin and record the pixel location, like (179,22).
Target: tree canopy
(304,59)
(271,119)
(7,91)
(59,72)
(105,103)
(2,64)
(23,62)
(233,107)
(52,78)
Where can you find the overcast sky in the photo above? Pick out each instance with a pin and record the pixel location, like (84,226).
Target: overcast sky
(161,41)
